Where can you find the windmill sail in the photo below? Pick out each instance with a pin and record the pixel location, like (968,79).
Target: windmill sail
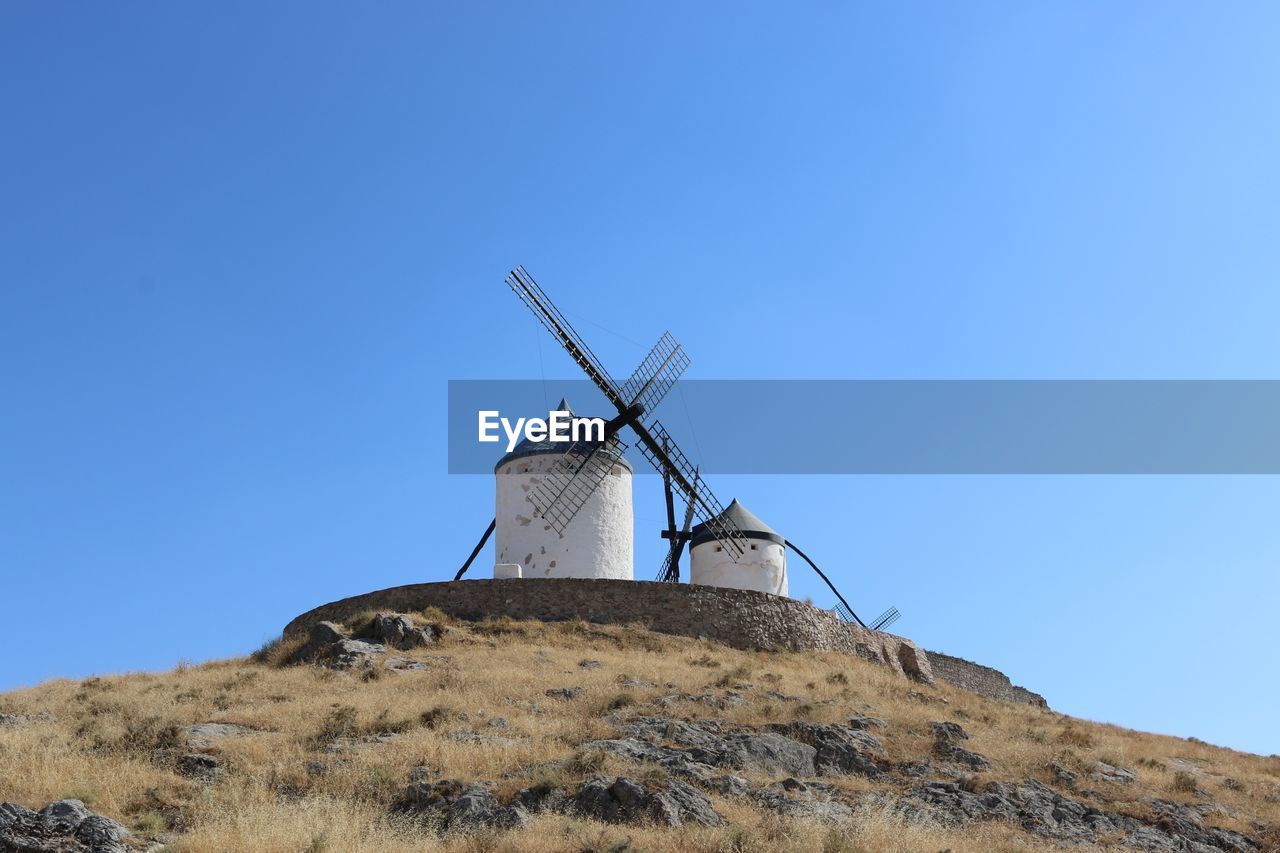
(549,315)
(664,454)
(574,478)
(659,370)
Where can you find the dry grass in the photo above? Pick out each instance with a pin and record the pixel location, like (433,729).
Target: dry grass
(111,742)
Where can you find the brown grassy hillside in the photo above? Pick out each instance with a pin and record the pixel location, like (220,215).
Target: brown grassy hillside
(325,753)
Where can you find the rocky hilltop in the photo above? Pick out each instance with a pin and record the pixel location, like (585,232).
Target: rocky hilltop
(413,731)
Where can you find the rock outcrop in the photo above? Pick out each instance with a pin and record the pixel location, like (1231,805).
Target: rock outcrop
(66,826)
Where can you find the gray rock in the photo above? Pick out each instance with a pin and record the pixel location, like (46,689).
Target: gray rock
(101,834)
(325,633)
(60,827)
(342,744)
(63,817)
(840,750)
(949,732)
(404,665)
(589,664)
(793,798)
(327,644)
(638,683)
(200,765)
(204,735)
(1041,811)
(767,752)
(1065,777)
(946,745)
(477,807)
(564,693)
(346,654)
(960,755)
(22,719)
(1104,772)
(685,733)
(625,800)
(720,703)
(917,769)
(678,804)
(861,722)
(458,806)
(545,798)
(728,785)
(11,813)
(398,631)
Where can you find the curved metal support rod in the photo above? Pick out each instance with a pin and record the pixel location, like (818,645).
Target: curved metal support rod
(814,566)
(483,539)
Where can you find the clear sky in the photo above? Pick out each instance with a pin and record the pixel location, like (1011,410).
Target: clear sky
(244,246)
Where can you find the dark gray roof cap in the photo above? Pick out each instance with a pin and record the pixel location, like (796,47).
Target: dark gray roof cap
(746,520)
(536,448)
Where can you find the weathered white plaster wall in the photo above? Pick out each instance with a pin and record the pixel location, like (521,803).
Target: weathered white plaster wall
(598,543)
(762,568)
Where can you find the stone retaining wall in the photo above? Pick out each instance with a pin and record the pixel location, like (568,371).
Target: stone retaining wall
(738,618)
(980,679)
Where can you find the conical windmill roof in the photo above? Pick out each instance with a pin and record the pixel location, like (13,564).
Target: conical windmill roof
(746,520)
(534,448)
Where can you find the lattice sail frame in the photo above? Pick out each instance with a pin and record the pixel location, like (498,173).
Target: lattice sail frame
(705,505)
(574,478)
(659,370)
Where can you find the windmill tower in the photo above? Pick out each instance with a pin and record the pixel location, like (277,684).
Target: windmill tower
(595,543)
(762,566)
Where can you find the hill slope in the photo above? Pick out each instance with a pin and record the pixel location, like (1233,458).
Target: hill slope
(529,736)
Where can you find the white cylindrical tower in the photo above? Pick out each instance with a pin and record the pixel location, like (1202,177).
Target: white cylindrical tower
(597,543)
(762,566)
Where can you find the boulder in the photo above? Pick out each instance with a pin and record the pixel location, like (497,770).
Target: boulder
(946,745)
(65,826)
(685,733)
(324,633)
(625,800)
(63,817)
(458,806)
(1104,772)
(205,735)
(860,722)
(327,644)
(840,750)
(346,654)
(101,834)
(949,732)
(958,754)
(398,631)
(765,752)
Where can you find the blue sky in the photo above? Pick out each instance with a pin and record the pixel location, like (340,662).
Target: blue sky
(245,248)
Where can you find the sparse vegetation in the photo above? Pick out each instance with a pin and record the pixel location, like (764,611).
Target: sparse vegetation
(113,742)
